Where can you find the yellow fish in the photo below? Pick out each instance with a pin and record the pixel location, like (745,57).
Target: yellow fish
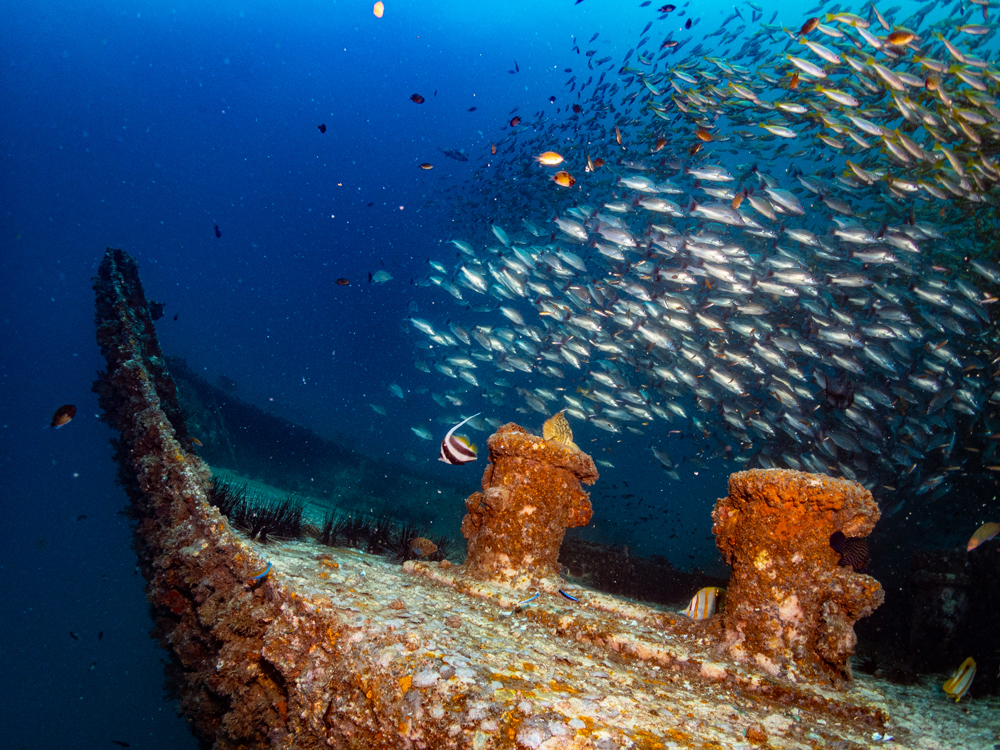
(983,534)
(706,603)
(959,683)
(556,428)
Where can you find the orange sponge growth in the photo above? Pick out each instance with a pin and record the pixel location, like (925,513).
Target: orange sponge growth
(531,495)
(791,607)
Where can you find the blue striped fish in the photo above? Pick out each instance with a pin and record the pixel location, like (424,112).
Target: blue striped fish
(456,450)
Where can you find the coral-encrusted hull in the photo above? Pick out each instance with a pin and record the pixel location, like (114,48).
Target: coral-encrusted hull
(790,606)
(531,495)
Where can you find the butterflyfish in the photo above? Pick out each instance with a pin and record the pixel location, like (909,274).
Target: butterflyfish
(63,415)
(457,450)
(706,603)
(983,534)
(958,685)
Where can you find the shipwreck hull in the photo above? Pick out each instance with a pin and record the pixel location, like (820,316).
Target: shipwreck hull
(334,648)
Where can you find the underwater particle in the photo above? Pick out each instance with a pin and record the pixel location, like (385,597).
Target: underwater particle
(958,685)
(457,450)
(342,282)
(983,534)
(64,415)
(218,232)
(378,9)
(416,99)
(322,127)
(427,165)
(564,179)
(853,551)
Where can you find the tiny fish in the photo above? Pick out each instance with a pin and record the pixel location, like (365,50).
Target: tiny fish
(563,178)
(379,277)
(705,603)
(342,282)
(322,127)
(81,518)
(456,450)
(515,121)
(378,9)
(74,636)
(427,165)
(218,232)
(571,598)
(420,547)
(262,574)
(120,743)
(63,415)
(853,551)
(983,534)
(958,685)
(416,99)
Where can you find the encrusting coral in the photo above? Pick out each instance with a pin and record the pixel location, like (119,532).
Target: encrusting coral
(531,495)
(790,606)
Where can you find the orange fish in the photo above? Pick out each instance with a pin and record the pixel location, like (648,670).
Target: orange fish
(493,148)
(900,38)
(983,534)
(549,159)
(735,203)
(695,148)
(703,134)
(809,25)
(598,163)
(197,442)
(63,415)
(794,83)
(515,121)
(618,135)
(932,83)
(417,99)
(564,178)
(426,165)
(660,143)
(379,9)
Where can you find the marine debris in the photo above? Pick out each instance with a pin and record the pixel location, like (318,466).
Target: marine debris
(790,605)
(531,494)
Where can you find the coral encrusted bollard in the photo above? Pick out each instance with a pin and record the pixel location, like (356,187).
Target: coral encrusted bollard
(791,606)
(531,495)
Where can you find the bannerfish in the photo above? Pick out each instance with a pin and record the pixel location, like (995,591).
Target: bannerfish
(707,602)
(983,534)
(958,685)
(64,414)
(853,551)
(456,450)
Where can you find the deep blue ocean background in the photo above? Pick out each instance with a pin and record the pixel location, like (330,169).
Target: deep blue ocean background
(141,126)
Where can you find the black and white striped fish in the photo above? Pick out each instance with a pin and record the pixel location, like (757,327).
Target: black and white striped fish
(457,450)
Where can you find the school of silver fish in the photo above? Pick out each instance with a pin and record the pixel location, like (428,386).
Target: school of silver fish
(781,239)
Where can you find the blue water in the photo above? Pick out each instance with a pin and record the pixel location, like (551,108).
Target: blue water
(142,126)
